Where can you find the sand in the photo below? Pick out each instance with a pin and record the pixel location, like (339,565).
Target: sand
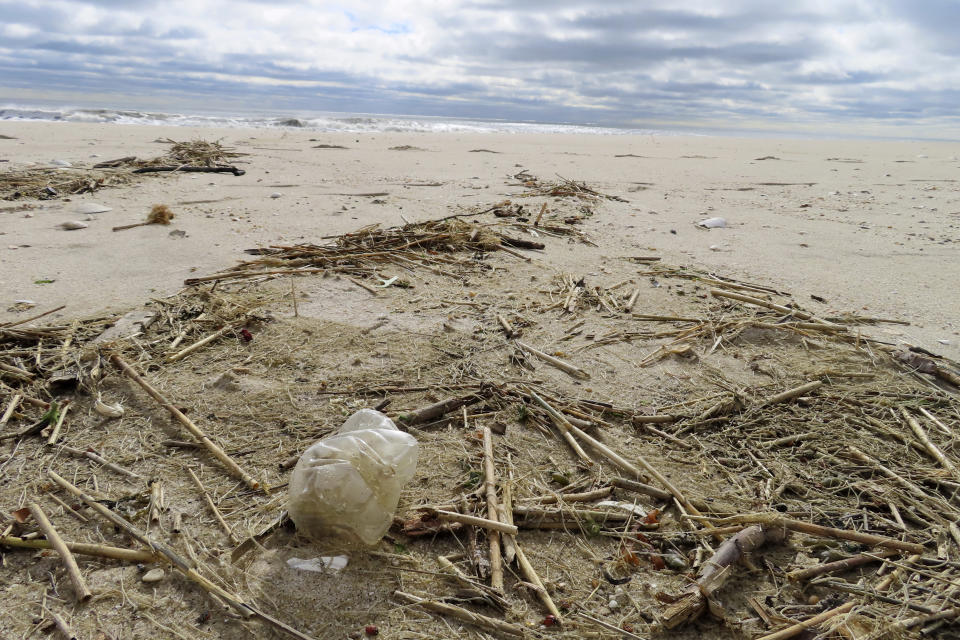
(266,395)
(867,226)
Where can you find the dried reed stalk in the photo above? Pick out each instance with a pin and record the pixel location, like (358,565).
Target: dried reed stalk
(80,590)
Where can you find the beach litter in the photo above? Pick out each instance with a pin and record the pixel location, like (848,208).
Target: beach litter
(159,214)
(713,223)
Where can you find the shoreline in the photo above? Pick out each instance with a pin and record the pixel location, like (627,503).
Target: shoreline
(870,226)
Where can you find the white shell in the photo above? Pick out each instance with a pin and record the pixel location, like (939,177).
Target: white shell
(713,223)
(108,410)
(72,225)
(61,163)
(91,207)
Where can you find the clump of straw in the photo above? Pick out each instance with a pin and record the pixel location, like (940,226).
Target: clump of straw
(159,214)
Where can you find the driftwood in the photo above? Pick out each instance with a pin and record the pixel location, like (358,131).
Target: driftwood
(694,600)
(233,170)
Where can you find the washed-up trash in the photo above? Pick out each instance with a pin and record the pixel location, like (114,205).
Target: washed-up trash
(323,564)
(713,223)
(348,484)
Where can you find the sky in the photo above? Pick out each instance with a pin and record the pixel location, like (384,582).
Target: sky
(867,67)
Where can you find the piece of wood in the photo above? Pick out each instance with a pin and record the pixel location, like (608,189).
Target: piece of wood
(68,509)
(484,622)
(587,496)
(928,444)
(711,575)
(775,520)
(564,425)
(61,416)
(840,565)
(65,629)
(534,578)
(803,315)
(213,507)
(80,590)
(493,508)
(507,327)
(217,452)
(439,409)
(475,521)
(790,394)
(183,353)
(566,367)
(92,455)
(633,300)
(187,169)
(11,407)
(84,549)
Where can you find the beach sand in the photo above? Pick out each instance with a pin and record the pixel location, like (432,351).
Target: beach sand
(867,228)
(870,227)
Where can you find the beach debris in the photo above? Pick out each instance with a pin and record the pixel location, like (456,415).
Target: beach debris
(153,576)
(159,214)
(61,163)
(713,223)
(328,146)
(348,484)
(73,225)
(114,410)
(406,147)
(322,564)
(276,194)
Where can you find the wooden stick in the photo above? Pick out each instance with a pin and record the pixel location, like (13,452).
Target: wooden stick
(511,332)
(946,430)
(803,315)
(217,452)
(68,509)
(364,285)
(906,484)
(840,565)
(484,622)
(506,517)
(80,590)
(587,496)
(790,394)
(183,353)
(660,419)
(99,460)
(493,509)
(84,549)
(566,367)
(564,426)
(61,415)
(438,409)
(11,407)
(483,523)
(61,625)
(935,453)
(532,577)
(774,519)
(633,300)
(213,507)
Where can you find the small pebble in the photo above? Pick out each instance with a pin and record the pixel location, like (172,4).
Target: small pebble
(154,575)
(275,194)
(73,225)
(613,605)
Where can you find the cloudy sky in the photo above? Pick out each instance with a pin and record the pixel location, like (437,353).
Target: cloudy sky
(883,67)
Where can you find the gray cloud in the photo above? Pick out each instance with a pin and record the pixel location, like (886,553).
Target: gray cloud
(609,61)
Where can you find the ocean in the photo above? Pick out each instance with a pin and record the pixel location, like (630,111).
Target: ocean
(324,122)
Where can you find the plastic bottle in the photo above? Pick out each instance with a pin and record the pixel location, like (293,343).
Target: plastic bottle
(348,484)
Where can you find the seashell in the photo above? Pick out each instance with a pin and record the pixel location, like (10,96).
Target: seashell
(61,163)
(91,207)
(72,225)
(108,410)
(713,223)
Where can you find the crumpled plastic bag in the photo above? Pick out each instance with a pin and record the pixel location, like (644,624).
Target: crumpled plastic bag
(348,484)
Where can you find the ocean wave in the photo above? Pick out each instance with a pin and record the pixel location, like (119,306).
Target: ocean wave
(322,123)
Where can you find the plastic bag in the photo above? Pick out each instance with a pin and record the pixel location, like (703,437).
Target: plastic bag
(348,484)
